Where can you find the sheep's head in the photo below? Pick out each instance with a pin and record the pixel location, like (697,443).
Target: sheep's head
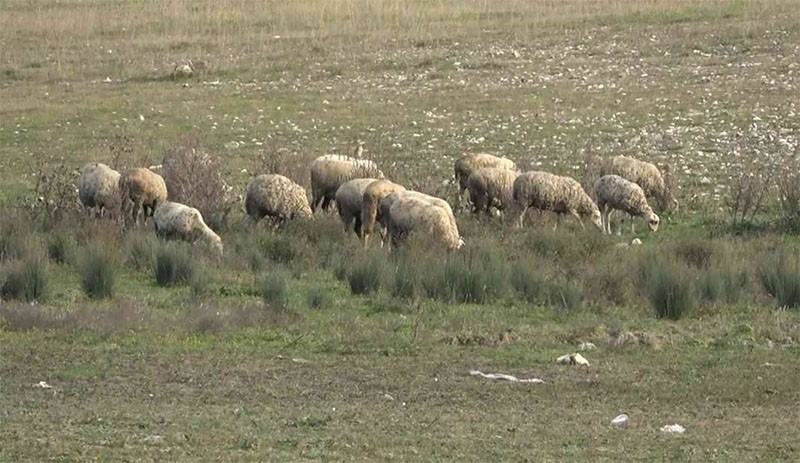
(652,220)
(595,217)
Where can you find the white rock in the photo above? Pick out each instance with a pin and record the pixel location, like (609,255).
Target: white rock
(584,346)
(572,359)
(673,429)
(43,385)
(636,242)
(621,420)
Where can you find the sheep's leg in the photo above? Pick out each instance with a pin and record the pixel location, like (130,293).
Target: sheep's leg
(359,231)
(578,218)
(633,225)
(521,219)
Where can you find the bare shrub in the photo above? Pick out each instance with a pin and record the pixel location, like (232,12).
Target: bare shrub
(749,184)
(194,178)
(55,193)
(590,166)
(283,161)
(789,195)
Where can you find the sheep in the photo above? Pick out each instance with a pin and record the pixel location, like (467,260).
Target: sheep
(616,193)
(549,192)
(98,187)
(386,203)
(370,210)
(276,196)
(644,174)
(141,188)
(349,199)
(410,214)
(469,163)
(178,221)
(491,186)
(329,172)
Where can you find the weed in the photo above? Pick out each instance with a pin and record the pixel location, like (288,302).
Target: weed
(28,281)
(274,289)
(780,278)
(367,273)
(319,298)
(98,270)
(140,251)
(668,290)
(173,264)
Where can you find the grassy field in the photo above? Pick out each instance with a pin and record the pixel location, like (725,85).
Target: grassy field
(273,352)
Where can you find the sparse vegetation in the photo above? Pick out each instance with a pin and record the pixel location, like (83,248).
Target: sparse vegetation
(98,269)
(266,354)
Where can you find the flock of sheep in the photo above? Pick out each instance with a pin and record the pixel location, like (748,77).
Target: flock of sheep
(366,200)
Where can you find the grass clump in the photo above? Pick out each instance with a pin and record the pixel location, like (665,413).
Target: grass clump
(319,298)
(140,252)
(528,282)
(98,270)
(366,274)
(274,289)
(28,281)
(173,265)
(780,278)
(60,246)
(667,289)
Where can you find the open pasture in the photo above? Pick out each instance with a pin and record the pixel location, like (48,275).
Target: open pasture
(299,344)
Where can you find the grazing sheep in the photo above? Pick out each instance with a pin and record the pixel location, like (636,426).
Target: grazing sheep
(349,199)
(141,188)
(615,193)
(410,214)
(329,172)
(469,163)
(178,221)
(554,193)
(275,196)
(644,174)
(491,186)
(98,187)
(370,207)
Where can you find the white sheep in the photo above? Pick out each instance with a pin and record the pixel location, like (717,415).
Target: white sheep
(349,200)
(98,187)
(469,163)
(329,172)
(491,187)
(554,193)
(411,214)
(616,193)
(644,174)
(143,189)
(276,196)
(178,221)
(370,208)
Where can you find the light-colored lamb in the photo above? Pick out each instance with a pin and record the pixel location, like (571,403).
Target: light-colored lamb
(181,222)
(98,187)
(469,163)
(554,193)
(644,174)
(143,189)
(276,196)
(491,187)
(349,199)
(370,207)
(616,193)
(329,172)
(411,214)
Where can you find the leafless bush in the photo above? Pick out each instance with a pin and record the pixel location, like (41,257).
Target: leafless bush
(283,161)
(789,194)
(749,184)
(194,178)
(55,193)
(120,318)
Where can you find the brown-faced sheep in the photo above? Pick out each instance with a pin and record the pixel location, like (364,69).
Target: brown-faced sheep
(143,189)
(615,193)
(469,163)
(410,214)
(644,174)
(181,222)
(370,207)
(349,199)
(491,187)
(98,187)
(554,193)
(329,172)
(276,196)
